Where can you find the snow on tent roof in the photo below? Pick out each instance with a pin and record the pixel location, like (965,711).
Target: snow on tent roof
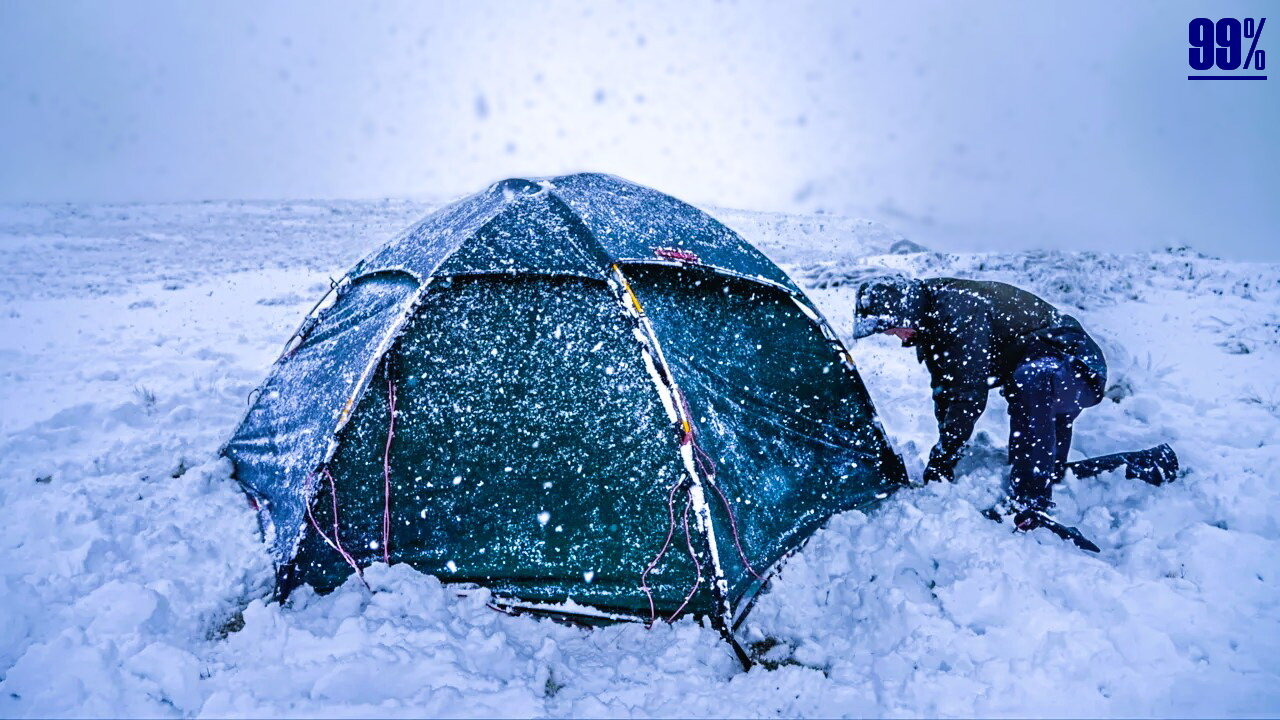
(575,389)
(575,224)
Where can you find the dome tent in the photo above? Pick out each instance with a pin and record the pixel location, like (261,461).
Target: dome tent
(585,395)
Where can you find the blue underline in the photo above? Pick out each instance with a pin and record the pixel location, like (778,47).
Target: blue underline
(1226,77)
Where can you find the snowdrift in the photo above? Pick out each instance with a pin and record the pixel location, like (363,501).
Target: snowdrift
(133,581)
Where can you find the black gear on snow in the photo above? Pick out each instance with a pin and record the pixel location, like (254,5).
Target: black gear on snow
(1155,466)
(1026,519)
(971,335)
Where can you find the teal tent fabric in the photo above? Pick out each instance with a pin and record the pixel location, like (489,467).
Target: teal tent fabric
(787,427)
(531,453)
(603,398)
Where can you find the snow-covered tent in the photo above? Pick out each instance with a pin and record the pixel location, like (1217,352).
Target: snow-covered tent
(576,389)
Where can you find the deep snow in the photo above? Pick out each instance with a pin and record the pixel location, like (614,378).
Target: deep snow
(132,579)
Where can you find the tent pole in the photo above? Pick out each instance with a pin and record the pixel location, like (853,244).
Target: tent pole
(725,632)
(672,401)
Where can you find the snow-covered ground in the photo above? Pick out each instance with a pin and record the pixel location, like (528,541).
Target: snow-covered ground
(132,579)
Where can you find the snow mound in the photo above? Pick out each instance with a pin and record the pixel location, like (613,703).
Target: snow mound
(133,581)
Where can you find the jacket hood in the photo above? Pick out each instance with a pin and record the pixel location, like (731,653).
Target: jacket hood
(887,301)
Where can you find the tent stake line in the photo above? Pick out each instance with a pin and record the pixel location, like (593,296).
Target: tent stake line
(386,465)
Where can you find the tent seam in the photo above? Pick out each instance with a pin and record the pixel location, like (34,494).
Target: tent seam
(667,383)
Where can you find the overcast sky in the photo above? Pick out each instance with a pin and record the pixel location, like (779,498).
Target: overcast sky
(966,124)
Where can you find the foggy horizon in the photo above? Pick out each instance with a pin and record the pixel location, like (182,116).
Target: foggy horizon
(966,131)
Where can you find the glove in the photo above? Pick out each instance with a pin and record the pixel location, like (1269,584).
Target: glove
(940,467)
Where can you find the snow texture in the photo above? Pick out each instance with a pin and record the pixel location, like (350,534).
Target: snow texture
(134,582)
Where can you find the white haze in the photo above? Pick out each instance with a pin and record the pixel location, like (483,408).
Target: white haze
(992,125)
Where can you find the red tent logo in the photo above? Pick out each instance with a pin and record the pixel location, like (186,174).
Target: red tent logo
(676,254)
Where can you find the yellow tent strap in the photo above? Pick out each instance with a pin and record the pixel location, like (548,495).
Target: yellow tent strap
(635,301)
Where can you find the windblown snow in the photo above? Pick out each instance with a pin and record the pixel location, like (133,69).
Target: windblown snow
(133,581)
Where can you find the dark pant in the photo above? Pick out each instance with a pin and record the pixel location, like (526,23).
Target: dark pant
(1045,395)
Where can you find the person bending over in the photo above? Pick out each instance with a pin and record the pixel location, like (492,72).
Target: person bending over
(973,336)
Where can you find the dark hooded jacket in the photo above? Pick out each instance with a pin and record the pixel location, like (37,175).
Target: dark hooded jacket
(972,335)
